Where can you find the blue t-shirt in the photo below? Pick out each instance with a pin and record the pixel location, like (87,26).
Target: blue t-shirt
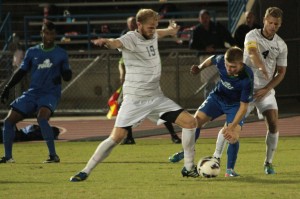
(233,89)
(46,67)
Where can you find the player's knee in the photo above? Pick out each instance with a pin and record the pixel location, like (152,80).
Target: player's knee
(190,123)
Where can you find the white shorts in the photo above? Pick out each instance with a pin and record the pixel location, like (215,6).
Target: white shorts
(133,112)
(267,103)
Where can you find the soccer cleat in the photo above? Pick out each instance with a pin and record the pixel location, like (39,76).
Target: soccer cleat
(231,173)
(268,167)
(52,159)
(128,141)
(5,160)
(176,157)
(81,176)
(192,173)
(175,139)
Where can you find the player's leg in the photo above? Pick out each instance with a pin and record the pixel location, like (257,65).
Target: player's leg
(9,134)
(46,106)
(129,138)
(174,137)
(271,118)
(103,150)
(269,109)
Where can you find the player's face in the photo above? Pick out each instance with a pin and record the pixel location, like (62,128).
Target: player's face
(271,26)
(48,37)
(148,29)
(233,68)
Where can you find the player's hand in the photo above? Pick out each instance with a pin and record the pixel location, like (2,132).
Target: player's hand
(173,27)
(195,70)
(99,42)
(260,94)
(4,94)
(230,135)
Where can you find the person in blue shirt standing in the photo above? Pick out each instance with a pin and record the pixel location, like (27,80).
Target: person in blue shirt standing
(231,95)
(47,64)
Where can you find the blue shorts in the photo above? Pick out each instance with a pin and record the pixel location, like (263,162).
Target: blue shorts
(214,106)
(28,104)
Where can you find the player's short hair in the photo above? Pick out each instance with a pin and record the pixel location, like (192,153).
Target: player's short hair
(49,25)
(234,54)
(144,15)
(274,12)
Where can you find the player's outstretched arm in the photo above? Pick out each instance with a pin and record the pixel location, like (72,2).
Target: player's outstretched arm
(171,30)
(196,69)
(108,43)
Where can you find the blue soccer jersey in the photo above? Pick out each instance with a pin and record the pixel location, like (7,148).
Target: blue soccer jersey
(46,67)
(233,89)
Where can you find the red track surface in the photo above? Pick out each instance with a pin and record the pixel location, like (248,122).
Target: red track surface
(77,128)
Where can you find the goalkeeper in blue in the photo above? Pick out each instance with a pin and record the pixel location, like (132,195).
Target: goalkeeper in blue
(231,96)
(47,64)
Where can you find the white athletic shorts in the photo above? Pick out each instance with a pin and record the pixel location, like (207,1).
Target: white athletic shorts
(133,112)
(267,103)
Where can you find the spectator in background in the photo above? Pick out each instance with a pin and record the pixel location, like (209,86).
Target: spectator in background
(131,26)
(168,11)
(207,38)
(243,29)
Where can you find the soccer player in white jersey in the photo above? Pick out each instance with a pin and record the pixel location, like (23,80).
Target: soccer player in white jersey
(142,94)
(266,53)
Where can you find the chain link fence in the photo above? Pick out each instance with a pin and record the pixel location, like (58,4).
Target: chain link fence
(96,77)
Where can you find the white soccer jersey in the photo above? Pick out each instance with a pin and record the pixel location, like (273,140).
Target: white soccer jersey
(272,52)
(143,66)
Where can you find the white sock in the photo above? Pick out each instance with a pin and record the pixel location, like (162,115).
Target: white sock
(271,142)
(102,151)
(188,144)
(220,145)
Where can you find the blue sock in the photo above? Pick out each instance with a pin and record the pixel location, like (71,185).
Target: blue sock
(8,138)
(48,136)
(197,133)
(232,152)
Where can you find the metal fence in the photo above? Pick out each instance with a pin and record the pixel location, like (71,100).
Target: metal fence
(96,77)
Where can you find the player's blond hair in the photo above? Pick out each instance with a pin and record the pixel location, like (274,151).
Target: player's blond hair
(144,15)
(274,12)
(234,54)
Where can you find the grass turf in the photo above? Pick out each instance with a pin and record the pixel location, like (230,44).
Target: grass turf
(143,171)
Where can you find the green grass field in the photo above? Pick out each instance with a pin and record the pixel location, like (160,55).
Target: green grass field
(143,171)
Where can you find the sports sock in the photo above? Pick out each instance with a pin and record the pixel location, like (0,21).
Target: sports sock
(170,127)
(8,138)
(129,133)
(102,151)
(220,145)
(188,144)
(47,134)
(271,142)
(232,152)
(197,134)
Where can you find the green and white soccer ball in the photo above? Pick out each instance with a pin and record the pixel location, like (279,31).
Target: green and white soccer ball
(208,167)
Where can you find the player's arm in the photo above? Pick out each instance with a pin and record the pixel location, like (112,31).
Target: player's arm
(108,43)
(251,47)
(122,71)
(16,78)
(231,132)
(279,76)
(171,30)
(196,69)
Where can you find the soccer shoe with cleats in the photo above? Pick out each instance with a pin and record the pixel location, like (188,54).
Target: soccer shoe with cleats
(269,170)
(176,157)
(81,176)
(5,160)
(192,173)
(128,141)
(231,173)
(175,139)
(52,159)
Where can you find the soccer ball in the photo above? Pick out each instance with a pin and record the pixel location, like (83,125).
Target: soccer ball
(208,167)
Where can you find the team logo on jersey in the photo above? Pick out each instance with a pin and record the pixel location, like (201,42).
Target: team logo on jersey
(227,85)
(46,64)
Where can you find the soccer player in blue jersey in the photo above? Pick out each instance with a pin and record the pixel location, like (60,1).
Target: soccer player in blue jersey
(230,96)
(47,64)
